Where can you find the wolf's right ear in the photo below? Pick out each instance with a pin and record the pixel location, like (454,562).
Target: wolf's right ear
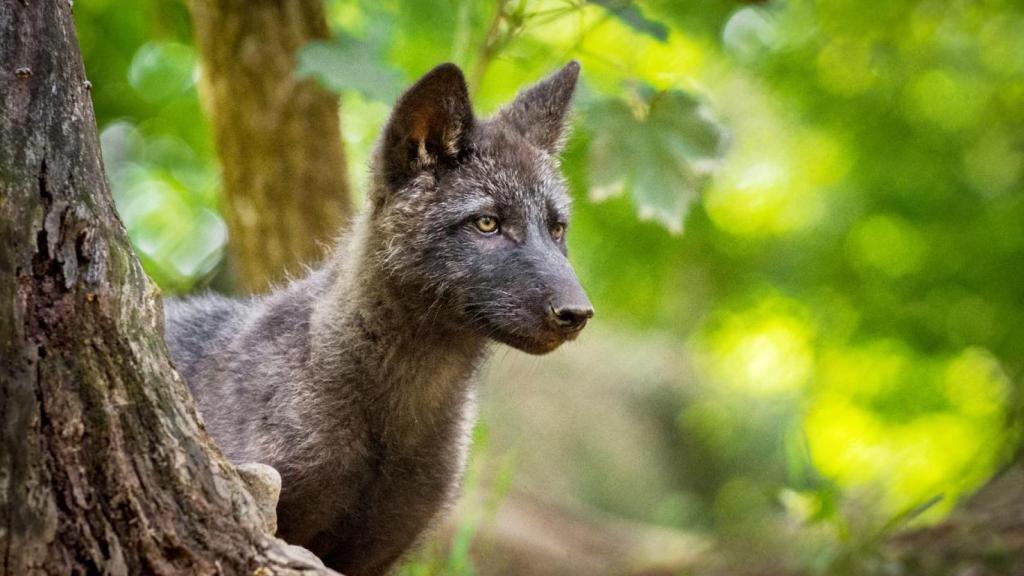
(541,112)
(431,124)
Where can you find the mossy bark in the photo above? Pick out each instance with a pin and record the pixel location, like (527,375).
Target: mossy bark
(286,189)
(104,466)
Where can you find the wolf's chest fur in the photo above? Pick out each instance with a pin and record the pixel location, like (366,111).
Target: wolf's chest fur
(369,432)
(354,382)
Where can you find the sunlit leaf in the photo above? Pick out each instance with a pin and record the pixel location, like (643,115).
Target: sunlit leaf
(697,17)
(661,151)
(631,15)
(346,63)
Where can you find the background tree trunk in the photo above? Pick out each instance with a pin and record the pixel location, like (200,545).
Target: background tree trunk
(104,467)
(285,183)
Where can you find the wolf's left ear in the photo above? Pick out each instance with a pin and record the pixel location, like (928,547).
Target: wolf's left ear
(431,124)
(541,111)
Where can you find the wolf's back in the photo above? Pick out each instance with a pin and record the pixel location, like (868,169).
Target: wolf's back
(197,329)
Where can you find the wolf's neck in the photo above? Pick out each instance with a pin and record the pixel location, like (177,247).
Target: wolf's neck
(388,347)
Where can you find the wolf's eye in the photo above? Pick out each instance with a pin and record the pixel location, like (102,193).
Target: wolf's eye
(486,224)
(557,231)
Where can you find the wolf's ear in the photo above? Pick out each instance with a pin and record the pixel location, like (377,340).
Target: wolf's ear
(430,124)
(541,111)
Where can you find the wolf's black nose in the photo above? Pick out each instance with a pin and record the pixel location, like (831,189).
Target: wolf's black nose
(570,318)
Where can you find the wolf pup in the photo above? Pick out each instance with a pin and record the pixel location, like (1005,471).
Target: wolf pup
(354,382)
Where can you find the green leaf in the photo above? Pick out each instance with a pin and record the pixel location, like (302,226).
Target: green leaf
(346,63)
(662,151)
(700,18)
(634,18)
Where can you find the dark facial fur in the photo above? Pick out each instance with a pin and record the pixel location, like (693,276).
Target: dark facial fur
(354,381)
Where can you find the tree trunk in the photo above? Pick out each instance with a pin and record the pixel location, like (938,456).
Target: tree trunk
(278,137)
(104,467)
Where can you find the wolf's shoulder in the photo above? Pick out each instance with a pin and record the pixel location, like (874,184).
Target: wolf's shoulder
(201,315)
(196,324)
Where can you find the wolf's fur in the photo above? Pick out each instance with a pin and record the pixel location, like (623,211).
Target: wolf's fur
(354,381)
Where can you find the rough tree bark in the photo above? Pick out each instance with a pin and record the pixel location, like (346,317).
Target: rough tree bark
(278,137)
(104,467)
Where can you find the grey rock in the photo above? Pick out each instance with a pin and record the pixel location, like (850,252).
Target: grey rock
(264,483)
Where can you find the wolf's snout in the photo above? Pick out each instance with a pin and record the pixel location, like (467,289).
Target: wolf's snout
(571,318)
(568,306)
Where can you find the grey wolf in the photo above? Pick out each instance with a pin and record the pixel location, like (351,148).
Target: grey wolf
(354,382)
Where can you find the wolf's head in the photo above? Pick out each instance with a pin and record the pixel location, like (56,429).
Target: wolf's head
(475,212)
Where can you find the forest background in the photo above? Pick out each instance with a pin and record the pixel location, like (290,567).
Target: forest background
(801,224)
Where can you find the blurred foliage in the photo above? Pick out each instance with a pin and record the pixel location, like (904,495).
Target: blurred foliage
(156,145)
(848,289)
